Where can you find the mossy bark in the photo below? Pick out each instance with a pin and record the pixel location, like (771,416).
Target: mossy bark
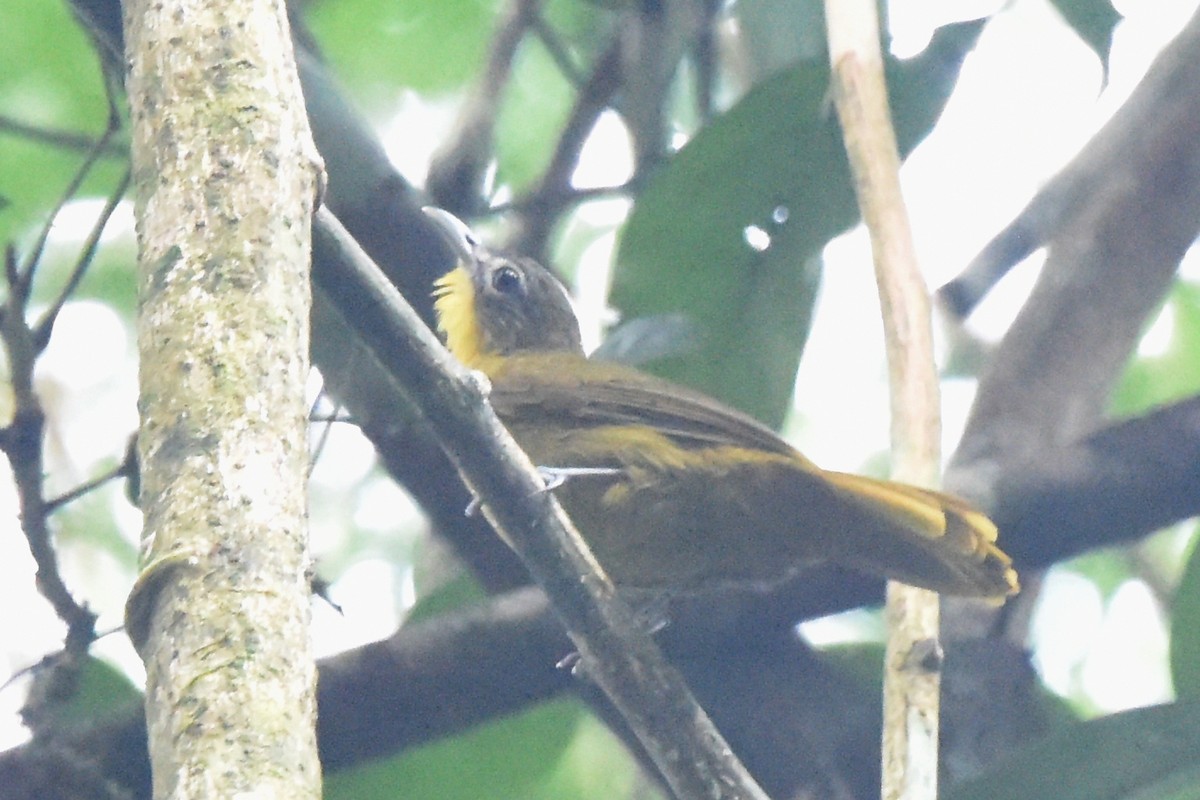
(226,176)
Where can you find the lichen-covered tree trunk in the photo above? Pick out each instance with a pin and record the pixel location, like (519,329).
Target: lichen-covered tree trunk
(226,176)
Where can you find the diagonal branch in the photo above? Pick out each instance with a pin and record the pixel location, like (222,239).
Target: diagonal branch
(538,209)
(21,440)
(1112,486)
(1128,208)
(94,154)
(456,176)
(45,325)
(1131,141)
(67,140)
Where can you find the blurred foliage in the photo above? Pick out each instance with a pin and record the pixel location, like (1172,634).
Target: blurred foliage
(1147,753)
(49,79)
(424,45)
(1171,372)
(535,109)
(99,692)
(771,167)
(111,277)
(554,751)
(1185,628)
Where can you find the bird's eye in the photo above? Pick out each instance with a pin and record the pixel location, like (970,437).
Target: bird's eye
(507,280)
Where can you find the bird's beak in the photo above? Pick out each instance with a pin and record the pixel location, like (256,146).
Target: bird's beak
(455,233)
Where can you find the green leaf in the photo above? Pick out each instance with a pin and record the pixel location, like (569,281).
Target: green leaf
(862,662)
(1146,753)
(89,521)
(555,750)
(773,166)
(427,45)
(1093,21)
(1185,629)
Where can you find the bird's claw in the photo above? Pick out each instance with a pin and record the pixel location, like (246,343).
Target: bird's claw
(555,477)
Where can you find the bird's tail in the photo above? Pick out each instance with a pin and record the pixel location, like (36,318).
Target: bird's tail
(956,542)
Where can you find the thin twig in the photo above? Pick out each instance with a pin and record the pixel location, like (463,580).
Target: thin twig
(21,441)
(52,659)
(569,196)
(326,429)
(540,204)
(456,177)
(45,326)
(593,98)
(337,416)
(66,140)
(119,471)
(558,51)
(112,125)
(707,58)
(913,662)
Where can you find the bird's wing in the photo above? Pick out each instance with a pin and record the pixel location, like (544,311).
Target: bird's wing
(958,542)
(578,393)
(788,510)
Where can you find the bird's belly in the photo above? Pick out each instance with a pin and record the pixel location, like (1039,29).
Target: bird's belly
(657,535)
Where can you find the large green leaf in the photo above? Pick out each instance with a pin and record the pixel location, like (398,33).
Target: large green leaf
(1147,754)
(1185,630)
(774,165)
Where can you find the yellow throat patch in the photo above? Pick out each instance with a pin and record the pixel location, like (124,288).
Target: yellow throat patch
(454,302)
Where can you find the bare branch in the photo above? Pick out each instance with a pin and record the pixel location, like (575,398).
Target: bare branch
(912,665)
(67,140)
(1132,208)
(45,326)
(455,179)
(539,206)
(22,439)
(558,51)
(1114,485)
(123,470)
(1132,141)
(113,124)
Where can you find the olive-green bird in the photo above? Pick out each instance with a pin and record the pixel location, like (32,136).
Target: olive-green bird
(686,494)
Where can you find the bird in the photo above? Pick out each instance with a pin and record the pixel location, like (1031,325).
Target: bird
(674,492)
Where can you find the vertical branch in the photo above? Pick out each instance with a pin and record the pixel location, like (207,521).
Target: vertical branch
(226,175)
(911,672)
